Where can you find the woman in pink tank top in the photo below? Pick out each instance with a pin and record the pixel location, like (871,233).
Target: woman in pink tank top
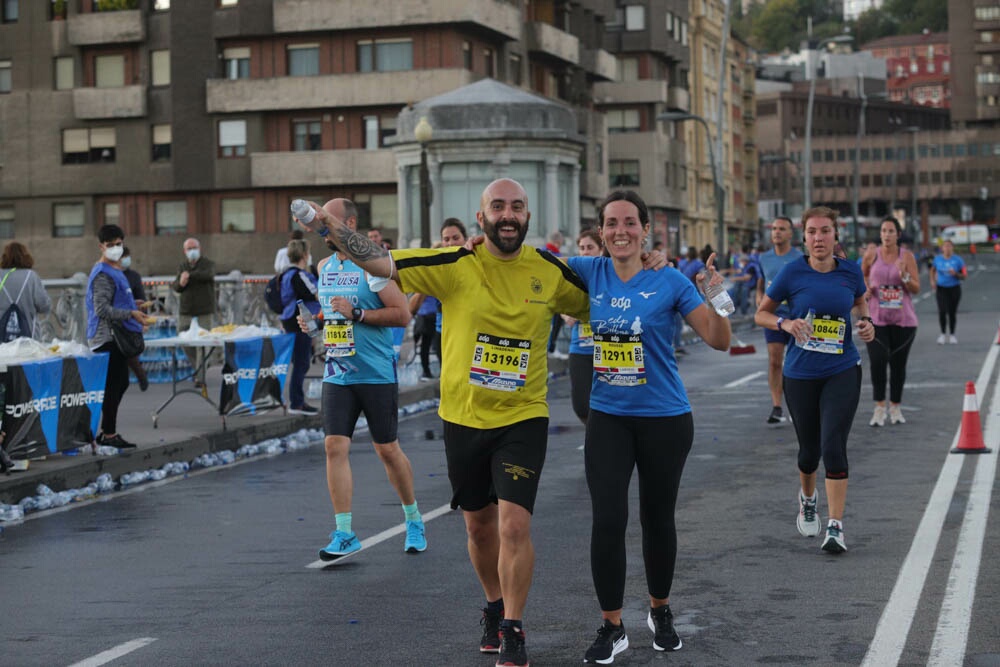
(892,277)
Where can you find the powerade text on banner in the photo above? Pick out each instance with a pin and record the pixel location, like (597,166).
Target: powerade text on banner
(254,373)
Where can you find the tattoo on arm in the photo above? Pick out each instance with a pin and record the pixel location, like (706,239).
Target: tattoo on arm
(358,246)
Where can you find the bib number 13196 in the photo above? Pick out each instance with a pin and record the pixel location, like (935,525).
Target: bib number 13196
(499,363)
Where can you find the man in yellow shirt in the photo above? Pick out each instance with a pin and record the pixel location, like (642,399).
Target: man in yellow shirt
(500,299)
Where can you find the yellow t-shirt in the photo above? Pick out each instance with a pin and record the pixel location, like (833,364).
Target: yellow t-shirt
(495,332)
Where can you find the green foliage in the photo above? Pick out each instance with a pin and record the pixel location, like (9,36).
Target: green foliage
(116,5)
(917,15)
(872,25)
(777,22)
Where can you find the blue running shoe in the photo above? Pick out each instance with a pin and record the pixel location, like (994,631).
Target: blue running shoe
(341,544)
(415,540)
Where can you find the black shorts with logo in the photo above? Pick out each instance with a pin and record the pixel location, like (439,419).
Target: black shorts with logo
(343,404)
(485,465)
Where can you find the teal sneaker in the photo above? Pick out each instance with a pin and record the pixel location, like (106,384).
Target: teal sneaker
(415,540)
(341,544)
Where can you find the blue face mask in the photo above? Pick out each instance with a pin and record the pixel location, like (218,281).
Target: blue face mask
(126,262)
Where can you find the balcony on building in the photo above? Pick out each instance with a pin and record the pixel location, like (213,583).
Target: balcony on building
(342,90)
(650,91)
(308,168)
(497,16)
(102,103)
(747,117)
(599,63)
(553,42)
(121,27)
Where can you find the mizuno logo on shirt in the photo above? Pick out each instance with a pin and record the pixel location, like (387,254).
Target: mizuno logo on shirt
(646,295)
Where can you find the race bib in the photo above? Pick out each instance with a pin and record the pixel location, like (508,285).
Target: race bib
(499,362)
(338,337)
(827,335)
(586,335)
(619,359)
(890,296)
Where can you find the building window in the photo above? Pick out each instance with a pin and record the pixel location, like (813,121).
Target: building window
(930,66)
(623,173)
(840,155)
(237,63)
(228,3)
(161,5)
(170,217)
(467,56)
(232,138)
(64,79)
(109,71)
(514,69)
(877,155)
(67,220)
(635,17)
(6,222)
(237,215)
(307,135)
(112,213)
(371,132)
(628,69)
(622,120)
(10,11)
(5,76)
(84,146)
(303,60)
(160,66)
(162,139)
(489,62)
(936,177)
(986,36)
(385,55)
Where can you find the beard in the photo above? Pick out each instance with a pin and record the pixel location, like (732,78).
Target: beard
(505,246)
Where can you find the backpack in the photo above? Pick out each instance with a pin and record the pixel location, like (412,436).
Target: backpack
(272,292)
(13,323)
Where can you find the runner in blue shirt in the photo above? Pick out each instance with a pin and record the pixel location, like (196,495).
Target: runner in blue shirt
(947,273)
(823,369)
(640,417)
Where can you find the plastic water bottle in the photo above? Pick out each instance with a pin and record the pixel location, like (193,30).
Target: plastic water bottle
(719,297)
(306,214)
(312,329)
(810,316)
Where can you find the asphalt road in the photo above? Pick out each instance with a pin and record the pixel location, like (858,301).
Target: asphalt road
(215,568)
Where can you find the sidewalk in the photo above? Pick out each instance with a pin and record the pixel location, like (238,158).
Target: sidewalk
(188,428)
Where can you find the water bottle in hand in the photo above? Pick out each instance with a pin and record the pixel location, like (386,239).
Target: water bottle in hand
(717,294)
(311,327)
(306,214)
(810,316)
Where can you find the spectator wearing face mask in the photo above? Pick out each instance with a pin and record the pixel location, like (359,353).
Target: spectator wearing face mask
(195,283)
(139,294)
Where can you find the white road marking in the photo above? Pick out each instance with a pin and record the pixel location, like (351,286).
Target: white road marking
(952,634)
(104,657)
(370,542)
(894,625)
(743,380)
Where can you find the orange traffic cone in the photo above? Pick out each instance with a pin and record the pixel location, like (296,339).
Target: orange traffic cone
(970,440)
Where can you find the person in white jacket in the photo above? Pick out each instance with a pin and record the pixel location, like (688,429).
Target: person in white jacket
(21,285)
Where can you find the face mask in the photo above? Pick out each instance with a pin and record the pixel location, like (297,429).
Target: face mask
(114,253)
(126,262)
(193,254)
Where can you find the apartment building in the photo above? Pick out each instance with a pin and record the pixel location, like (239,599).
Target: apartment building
(918,67)
(205,119)
(974,35)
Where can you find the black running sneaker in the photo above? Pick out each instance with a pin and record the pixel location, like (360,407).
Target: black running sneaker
(512,651)
(490,643)
(661,622)
(611,640)
(117,441)
(775,417)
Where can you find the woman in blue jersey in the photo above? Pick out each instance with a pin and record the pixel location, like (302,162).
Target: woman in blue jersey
(947,273)
(581,345)
(640,417)
(822,375)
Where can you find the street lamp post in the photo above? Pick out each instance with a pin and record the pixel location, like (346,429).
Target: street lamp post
(857,163)
(423,133)
(720,193)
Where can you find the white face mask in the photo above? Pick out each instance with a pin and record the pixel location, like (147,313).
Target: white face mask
(114,253)
(193,254)
(126,262)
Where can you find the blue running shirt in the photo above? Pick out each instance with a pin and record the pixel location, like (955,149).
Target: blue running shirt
(771,264)
(635,372)
(832,296)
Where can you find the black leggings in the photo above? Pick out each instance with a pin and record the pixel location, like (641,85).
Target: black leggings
(425,326)
(114,387)
(581,378)
(658,448)
(822,411)
(947,302)
(891,348)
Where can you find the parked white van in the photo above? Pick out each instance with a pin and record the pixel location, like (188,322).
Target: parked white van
(965,234)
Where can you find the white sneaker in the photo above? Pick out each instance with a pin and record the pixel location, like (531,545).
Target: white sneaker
(806,521)
(952,339)
(556,354)
(896,415)
(941,339)
(834,542)
(878,417)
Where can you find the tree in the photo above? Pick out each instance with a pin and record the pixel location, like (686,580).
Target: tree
(777,23)
(872,25)
(915,16)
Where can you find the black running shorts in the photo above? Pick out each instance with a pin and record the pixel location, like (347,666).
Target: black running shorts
(485,465)
(342,404)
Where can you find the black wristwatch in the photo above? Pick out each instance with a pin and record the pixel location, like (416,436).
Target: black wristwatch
(357,315)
